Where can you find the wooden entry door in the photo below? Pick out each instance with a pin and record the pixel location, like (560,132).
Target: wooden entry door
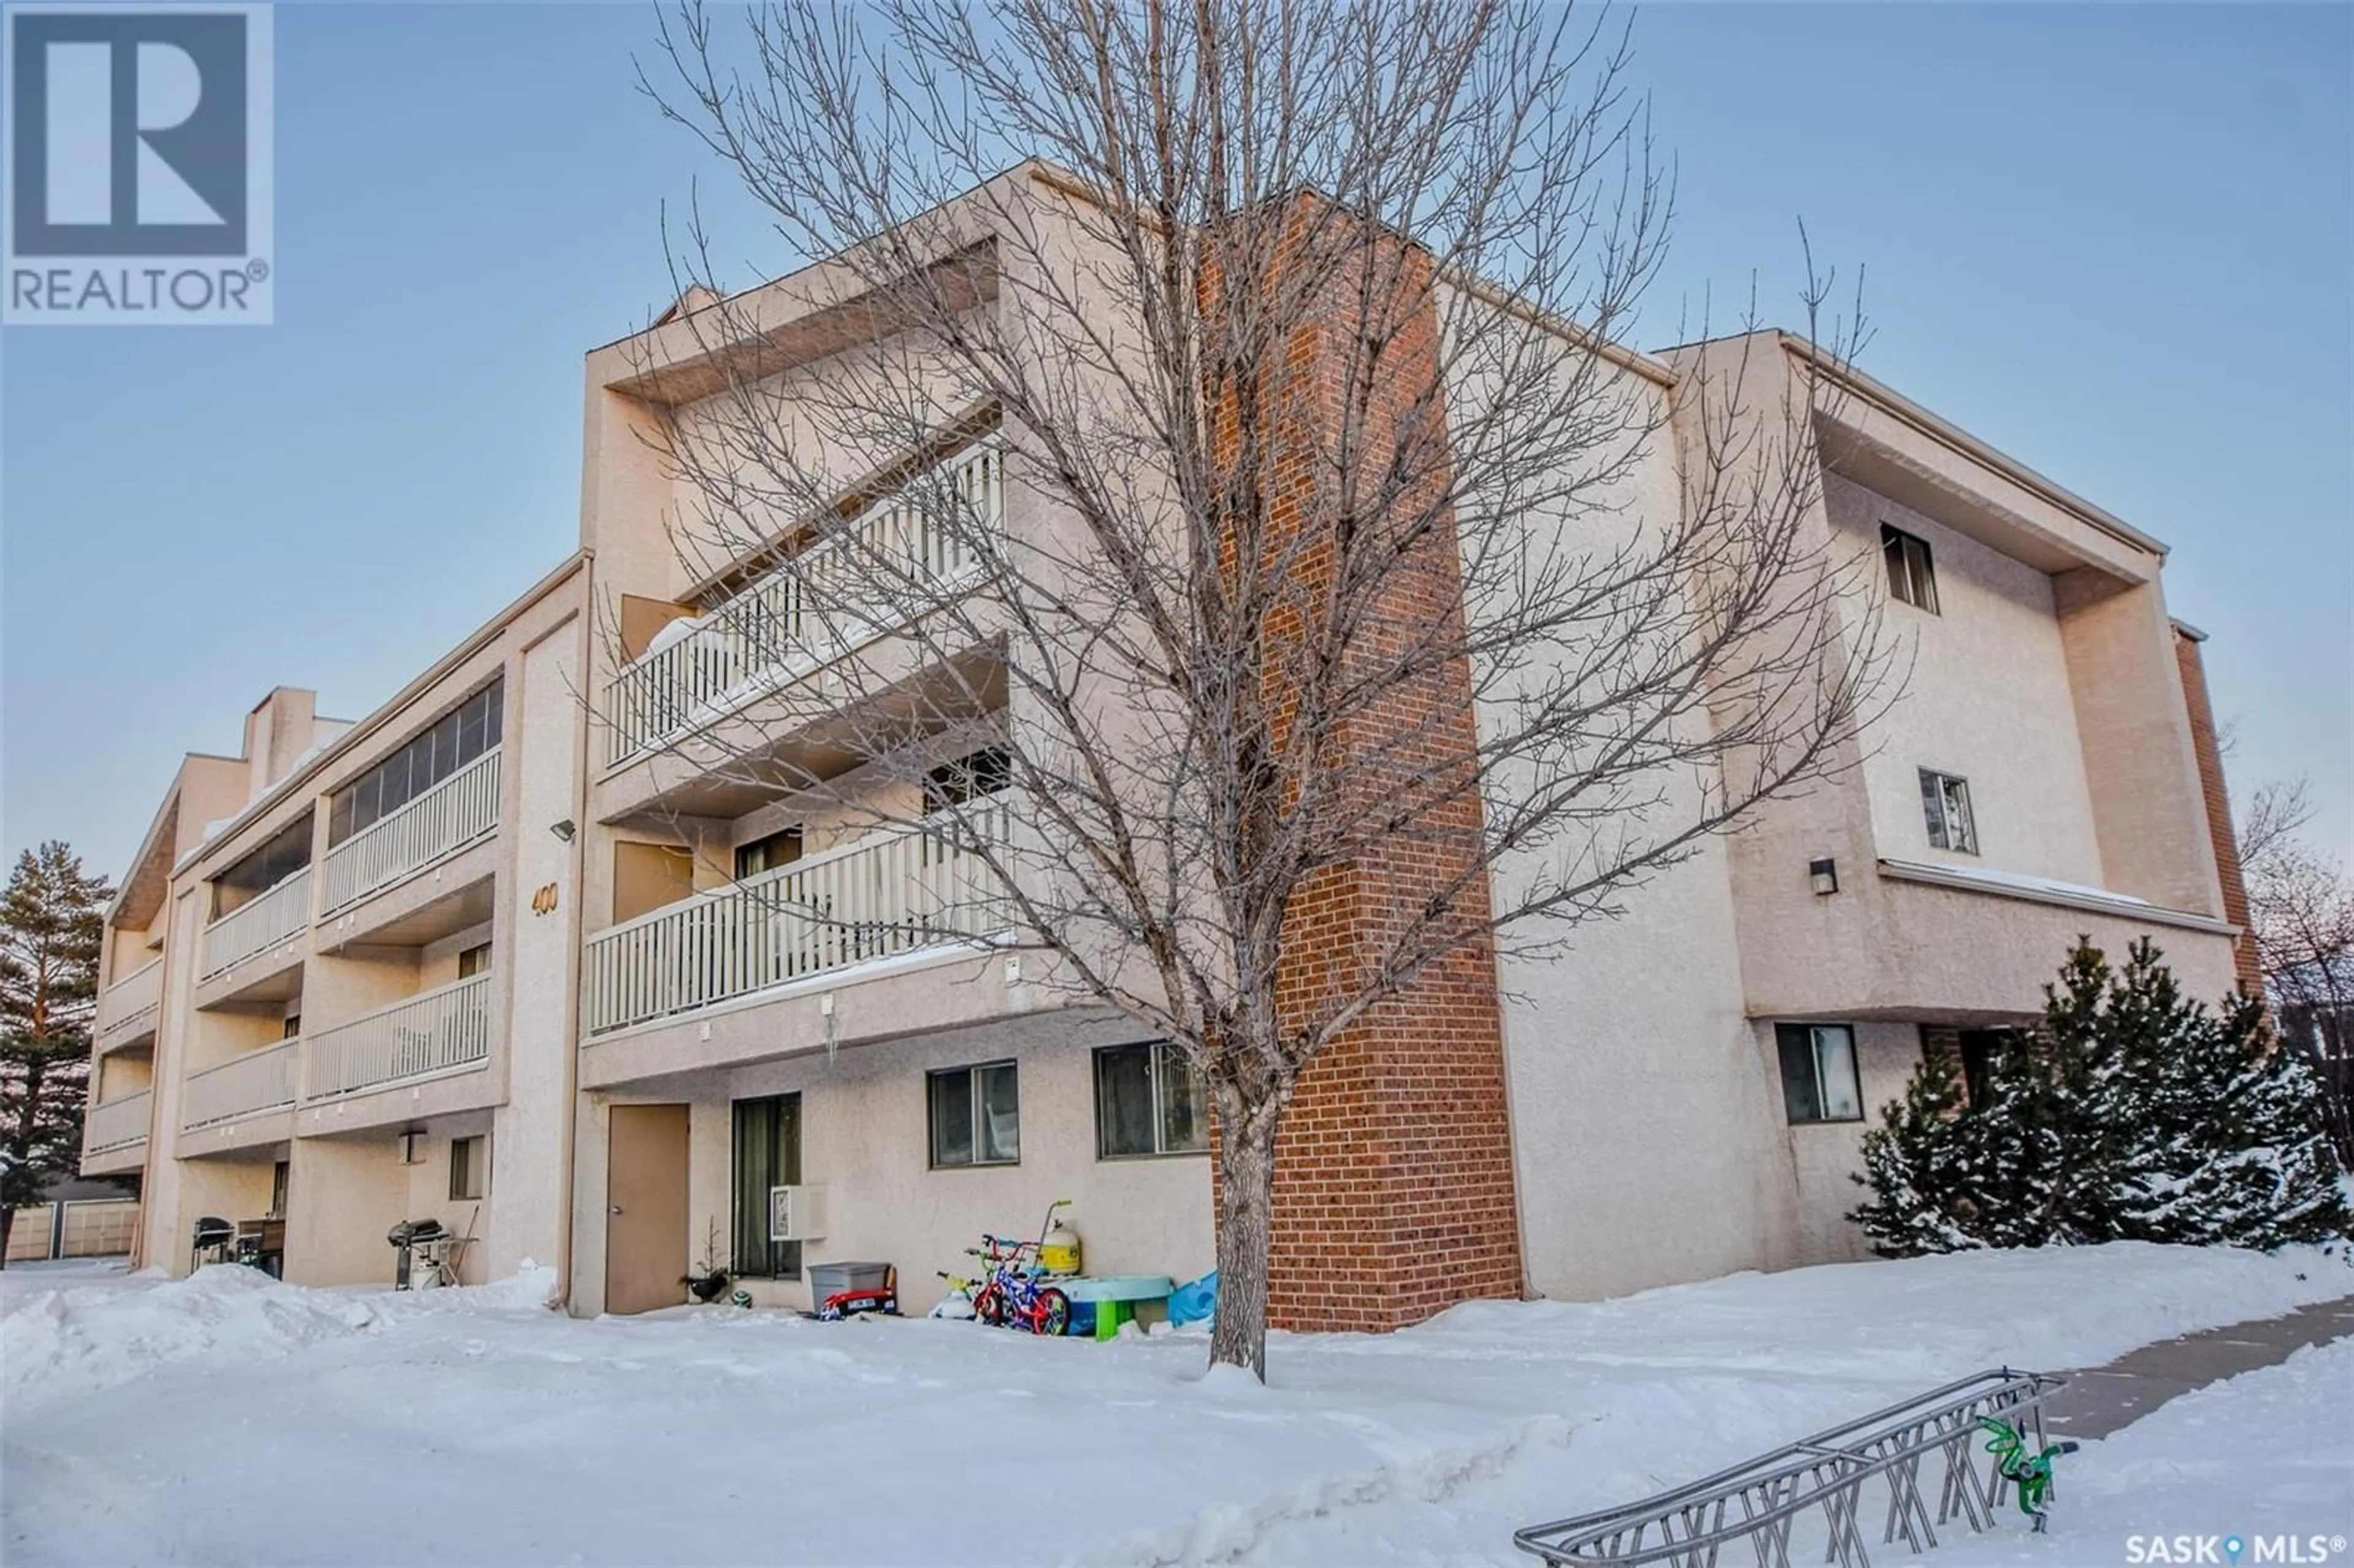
(645,1208)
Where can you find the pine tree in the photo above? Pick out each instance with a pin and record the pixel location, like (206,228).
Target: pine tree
(2232,1147)
(1921,1176)
(52,923)
(2132,1112)
(1951,1170)
(2098,1027)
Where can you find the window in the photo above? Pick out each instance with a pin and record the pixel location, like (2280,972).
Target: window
(1912,574)
(278,1190)
(769,854)
(969,778)
(457,738)
(767,1154)
(1946,802)
(292,1028)
(1979,1049)
(1149,1101)
(469,1166)
(474,960)
(288,852)
(976,1115)
(1819,1082)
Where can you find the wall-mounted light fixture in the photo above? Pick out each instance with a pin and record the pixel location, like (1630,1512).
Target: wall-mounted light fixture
(1824,874)
(563,830)
(412,1148)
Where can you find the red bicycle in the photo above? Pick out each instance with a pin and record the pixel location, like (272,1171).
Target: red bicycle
(1015,1295)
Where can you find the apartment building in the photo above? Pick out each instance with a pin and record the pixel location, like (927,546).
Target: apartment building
(578,957)
(338,965)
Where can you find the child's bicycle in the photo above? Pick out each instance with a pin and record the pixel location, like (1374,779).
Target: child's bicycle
(1016,1296)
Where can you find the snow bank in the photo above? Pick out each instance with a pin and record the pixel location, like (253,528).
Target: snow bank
(2046,1309)
(541,1438)
(82,1338)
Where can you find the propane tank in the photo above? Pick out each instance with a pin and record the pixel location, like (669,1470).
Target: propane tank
(1058,1255)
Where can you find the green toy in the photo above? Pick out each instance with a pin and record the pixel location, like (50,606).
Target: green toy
(2031,1475)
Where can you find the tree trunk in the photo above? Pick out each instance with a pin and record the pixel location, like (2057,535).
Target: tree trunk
(8,1230)
(1245,1209)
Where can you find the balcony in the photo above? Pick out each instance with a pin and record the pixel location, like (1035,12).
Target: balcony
(259,926)
(255,1082)
(885,568)
(127,1010)
(117,1124)
(885,896)
(429,828)
(446,1030)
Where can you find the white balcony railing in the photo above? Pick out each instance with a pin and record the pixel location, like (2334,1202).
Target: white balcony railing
(258,925)
(255,1082)
(884,569)
(445,819)
(434,1031)
(885,894)
(117,1124)
(131,1002)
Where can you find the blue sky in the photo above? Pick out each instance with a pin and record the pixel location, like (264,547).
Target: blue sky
(2113,240)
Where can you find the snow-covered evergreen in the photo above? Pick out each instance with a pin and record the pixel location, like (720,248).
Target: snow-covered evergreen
(2130,1112)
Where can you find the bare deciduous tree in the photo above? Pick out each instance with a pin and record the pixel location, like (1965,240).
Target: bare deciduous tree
(2301,908)
(1296,344)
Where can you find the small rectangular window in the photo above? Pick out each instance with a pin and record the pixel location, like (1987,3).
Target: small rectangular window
(278,1173)
(469,1167)
(1945,806)
(778,849)
(1149,1101)
(474,960)
(1819,1076)
(976,1114)
(969,778)
(1911,573)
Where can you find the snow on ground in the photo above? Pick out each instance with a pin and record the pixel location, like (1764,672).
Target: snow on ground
(230,1419)
(2265,1455)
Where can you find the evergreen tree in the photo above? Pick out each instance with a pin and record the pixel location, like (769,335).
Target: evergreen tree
(52,923)
(2233,1148)
(1946,1179)
(2100,1028)
(2130,1112)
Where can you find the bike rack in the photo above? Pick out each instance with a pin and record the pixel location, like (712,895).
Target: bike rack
(1759,1502)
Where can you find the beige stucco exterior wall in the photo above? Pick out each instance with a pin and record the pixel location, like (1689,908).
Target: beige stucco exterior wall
(1820,1159)
(530,1183)
(1989,698)
(2151,814)
(864,1138)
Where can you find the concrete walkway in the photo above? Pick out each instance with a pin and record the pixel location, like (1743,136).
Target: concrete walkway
(2099,1400)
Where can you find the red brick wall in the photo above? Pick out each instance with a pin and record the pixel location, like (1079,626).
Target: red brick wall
(2219,804)
(1394,1189)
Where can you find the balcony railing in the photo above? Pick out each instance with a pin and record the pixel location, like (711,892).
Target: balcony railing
(258,925)
(255,1082)
(117,1124)
(885,567)
(435,1032)
(129,1002)
(445,819)
(885,894)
